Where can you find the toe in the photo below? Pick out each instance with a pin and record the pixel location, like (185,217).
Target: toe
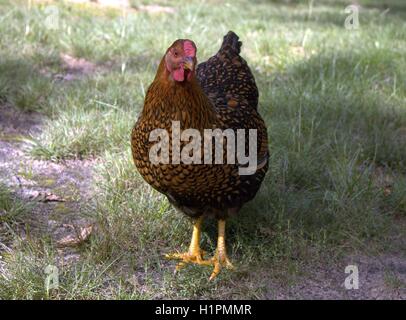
(176,255)
(220,263)
(216,271)
(179,266)
(228,264)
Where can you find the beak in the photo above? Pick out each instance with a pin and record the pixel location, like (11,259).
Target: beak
(188,63)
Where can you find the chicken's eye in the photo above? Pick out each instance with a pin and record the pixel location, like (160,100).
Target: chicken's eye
(175,53)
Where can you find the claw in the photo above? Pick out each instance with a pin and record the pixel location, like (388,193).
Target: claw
(219,263)
(179,266)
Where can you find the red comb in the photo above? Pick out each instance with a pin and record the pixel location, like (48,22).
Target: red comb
(189,48)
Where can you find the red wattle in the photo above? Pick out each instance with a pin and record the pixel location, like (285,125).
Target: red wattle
(178,74)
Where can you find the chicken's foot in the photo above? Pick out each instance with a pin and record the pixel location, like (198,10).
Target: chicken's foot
(220,258)
(194,254)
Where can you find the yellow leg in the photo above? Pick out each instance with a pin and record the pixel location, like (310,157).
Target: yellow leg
(194,254)
(220,259)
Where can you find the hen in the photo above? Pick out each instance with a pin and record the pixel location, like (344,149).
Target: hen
(217,94)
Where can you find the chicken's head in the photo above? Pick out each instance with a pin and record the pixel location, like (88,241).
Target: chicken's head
(180,60)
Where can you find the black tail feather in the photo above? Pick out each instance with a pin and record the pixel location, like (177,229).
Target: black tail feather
(231,43)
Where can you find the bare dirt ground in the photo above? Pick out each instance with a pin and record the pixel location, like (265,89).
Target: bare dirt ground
(380,278)
(57,191)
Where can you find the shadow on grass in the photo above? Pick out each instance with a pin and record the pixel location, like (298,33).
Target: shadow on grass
(334,122)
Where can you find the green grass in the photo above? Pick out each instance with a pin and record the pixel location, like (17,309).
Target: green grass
(333,99)
(11,209)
